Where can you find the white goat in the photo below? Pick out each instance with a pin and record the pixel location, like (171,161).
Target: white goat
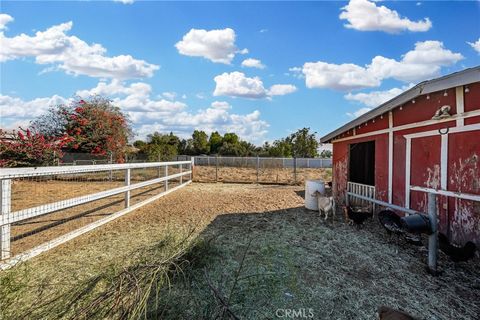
(325,204)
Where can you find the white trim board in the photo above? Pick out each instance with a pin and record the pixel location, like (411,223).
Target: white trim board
(459,100)
(390,157)
(408,157)
(460,195)
(411,125)
(471,127)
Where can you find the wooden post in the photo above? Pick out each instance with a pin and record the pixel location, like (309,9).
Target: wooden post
(166,175)
(127,183)
(5,206)
(433,238)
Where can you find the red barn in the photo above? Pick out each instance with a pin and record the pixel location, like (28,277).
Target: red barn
(427,139)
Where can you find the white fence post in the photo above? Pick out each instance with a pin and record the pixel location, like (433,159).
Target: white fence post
(192,165)
(127,183)
(5,205)
(166,175)
(181,170)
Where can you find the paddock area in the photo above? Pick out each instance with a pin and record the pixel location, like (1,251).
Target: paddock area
(241,251)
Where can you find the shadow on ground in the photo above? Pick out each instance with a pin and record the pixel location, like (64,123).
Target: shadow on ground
(258,265)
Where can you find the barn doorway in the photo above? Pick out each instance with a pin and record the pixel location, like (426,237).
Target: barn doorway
(362,163)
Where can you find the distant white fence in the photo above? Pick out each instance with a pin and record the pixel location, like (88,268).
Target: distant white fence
(7,217)
(264,162)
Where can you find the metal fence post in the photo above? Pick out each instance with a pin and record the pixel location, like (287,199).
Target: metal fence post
(258,165)
(433,238)
(5,206)
(216,168)
(295,170)
(166,175)
(127,183)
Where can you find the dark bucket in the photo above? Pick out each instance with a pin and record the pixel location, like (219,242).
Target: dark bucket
(416,223)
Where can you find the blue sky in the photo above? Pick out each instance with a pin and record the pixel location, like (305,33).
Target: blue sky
(177,66)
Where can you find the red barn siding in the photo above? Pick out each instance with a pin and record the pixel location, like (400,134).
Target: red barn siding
(460,219)
(423,108)
(379,124)
(340,166)
(464,176)
(472,97)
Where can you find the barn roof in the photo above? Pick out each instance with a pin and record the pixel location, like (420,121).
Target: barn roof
(449,81)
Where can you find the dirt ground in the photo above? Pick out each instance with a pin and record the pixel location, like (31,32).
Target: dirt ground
(265,175)
(27,234)
(267,253)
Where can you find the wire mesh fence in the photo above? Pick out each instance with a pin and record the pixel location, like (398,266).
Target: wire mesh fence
(233,169)
(45,206)
(261,170)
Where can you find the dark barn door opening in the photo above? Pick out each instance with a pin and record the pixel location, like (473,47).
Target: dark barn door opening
(362,163)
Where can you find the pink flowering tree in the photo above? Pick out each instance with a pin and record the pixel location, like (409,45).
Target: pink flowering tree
(22,148)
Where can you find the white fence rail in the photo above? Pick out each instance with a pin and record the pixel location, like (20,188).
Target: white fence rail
(7,217)
(363,190)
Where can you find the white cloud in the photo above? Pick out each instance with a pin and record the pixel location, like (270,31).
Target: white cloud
(215,45)
(221,105)
(236,84)
(365,15)
(14,111)
(125,1)
(345,76)
(375,98)
(359,112)
(281,89)
(253,63)
(423,62)
(72,55)
(475,45)
(146,113)
(169,95)
(4,20)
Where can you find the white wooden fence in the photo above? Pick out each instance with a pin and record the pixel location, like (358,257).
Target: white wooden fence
(363,190)
(7,217)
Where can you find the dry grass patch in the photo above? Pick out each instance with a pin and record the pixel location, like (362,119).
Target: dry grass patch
(235,251)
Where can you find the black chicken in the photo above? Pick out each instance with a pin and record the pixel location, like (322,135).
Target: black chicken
(358,215)
(391,222)
(456,253)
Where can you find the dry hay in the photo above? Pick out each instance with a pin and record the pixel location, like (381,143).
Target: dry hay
(29,233)
(291,259)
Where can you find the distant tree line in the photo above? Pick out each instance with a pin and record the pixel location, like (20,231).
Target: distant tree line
(158,146)
(98,127)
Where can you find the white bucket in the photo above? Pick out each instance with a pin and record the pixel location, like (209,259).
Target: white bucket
(310,187)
